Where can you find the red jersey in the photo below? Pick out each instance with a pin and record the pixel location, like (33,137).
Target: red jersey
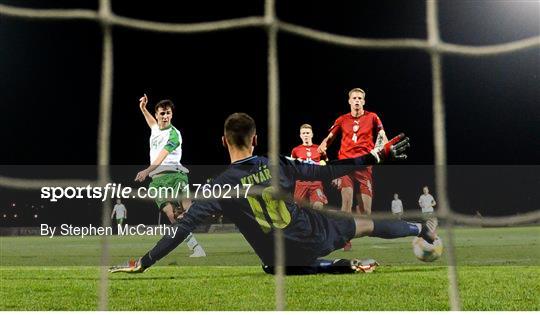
(358,134)
(307,153)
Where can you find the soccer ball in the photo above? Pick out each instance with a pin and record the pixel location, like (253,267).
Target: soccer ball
(425,251)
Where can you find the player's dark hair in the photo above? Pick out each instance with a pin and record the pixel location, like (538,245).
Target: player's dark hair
(238,129)
(164,104)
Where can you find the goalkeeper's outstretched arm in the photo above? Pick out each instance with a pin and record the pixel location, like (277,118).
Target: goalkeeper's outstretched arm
(393,150)
(198,212)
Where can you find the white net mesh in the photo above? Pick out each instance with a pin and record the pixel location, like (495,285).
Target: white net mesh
(433,45)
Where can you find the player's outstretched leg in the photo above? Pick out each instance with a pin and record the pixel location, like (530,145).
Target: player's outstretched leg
(395,229)
(336,266)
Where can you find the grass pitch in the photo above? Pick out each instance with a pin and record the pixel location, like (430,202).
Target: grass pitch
(499,269)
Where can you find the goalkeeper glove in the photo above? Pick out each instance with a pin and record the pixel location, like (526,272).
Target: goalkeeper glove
(428,231)
(131,266)
(393,149)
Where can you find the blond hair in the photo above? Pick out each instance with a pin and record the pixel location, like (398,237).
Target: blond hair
(357,90)
(306,126)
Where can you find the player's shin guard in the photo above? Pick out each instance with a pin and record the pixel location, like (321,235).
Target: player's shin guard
(394,229)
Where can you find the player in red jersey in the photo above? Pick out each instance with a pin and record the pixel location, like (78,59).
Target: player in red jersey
(307,152)
(360,131)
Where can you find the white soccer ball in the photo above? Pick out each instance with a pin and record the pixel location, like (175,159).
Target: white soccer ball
(425,251)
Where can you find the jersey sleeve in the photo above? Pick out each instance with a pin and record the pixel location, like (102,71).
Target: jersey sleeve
(196,214)
(173,142)
(336,127)
(296,170)
(377,123)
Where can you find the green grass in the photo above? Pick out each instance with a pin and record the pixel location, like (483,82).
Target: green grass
(499,270)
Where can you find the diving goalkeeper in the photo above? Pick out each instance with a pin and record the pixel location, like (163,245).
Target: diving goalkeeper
(308,234)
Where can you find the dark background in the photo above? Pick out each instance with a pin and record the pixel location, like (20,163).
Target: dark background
(50,80)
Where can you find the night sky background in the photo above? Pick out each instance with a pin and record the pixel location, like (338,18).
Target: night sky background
(50,80)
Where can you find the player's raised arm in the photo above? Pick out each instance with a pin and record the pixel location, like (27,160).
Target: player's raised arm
(150,120)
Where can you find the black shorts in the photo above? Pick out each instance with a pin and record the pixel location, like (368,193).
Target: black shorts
(324,233)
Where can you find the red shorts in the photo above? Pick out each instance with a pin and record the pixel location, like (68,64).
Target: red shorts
(309,190)
(363,177)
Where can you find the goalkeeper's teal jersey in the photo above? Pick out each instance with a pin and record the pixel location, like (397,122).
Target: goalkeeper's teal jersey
(169,139)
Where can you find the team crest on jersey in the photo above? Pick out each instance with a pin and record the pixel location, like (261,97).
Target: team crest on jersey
(355,129)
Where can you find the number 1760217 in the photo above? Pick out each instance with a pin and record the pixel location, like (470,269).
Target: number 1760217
(217,191)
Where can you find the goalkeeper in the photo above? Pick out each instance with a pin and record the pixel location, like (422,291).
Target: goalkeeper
(308,234)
